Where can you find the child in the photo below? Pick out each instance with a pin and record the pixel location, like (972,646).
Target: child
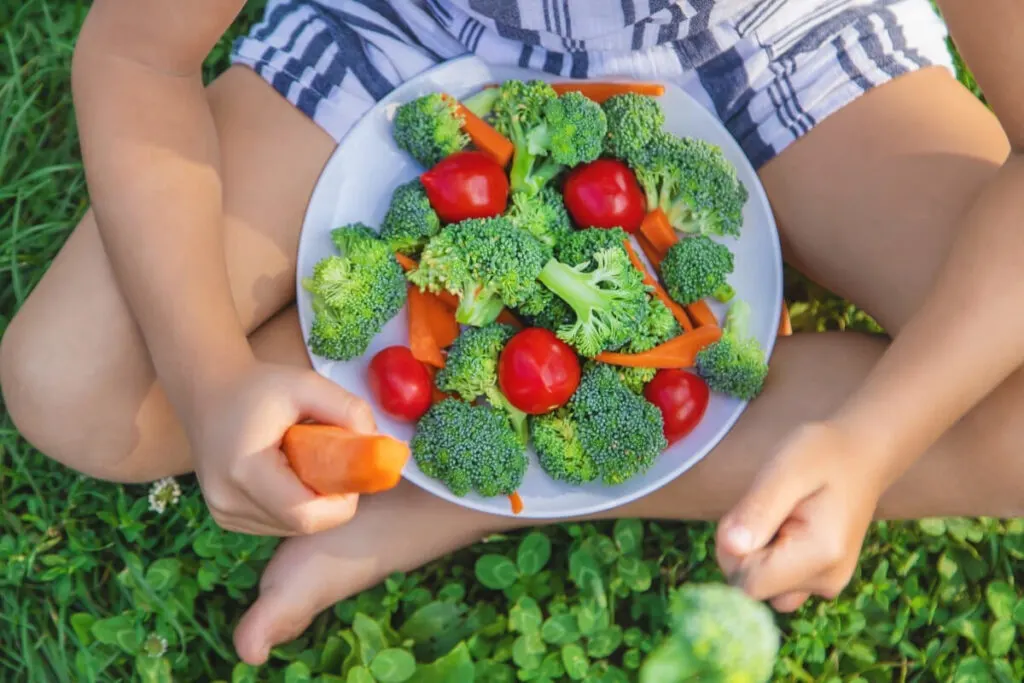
(164,337)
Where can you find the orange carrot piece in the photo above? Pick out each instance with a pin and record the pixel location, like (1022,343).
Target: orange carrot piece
(785,324)
(509,318)
(658,231)
(599,91)
(334,460)
(441,319)
(652,254)
(517,503)
(406,262)
(485,137)
(424,346)
(701,314)
(677,311)
(680,352)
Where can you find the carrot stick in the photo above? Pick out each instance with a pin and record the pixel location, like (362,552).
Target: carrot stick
(652,254)
(517,503)
(680,352)
(485,137)
(424,346)
(701,314)
(659,231)
(406,262)
(785,324)
(509,318)
(601,91)
(677,311)
(335,460)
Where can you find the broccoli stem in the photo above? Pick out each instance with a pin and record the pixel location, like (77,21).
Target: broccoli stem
(522,165)
(478,306)
(548,170)
(515,416)
(482,103)
(571,286)
(724,293)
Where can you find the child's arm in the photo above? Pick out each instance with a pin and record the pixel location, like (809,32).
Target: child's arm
(965,340)
(151,157)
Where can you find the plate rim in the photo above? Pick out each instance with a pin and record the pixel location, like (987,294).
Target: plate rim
(756,192)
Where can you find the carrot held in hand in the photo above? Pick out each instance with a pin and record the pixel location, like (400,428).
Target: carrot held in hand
(659,232)
(677,311)
(679,352)
(335,460)
(599,91)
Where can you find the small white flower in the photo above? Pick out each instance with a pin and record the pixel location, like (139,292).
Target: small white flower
(163,493)
(155,645)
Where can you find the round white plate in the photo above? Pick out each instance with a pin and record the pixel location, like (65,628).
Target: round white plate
(356,185)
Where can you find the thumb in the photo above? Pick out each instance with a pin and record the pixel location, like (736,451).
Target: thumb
(755,519)
(327,403)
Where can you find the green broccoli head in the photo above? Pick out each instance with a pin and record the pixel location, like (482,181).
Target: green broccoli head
(410,220)
(659,326)
(469,448)
(579,247)
(471,370)
(429,128)
(558,447)
(572,132)
(633,119)
(734,365)
(544,309)
(609,299)
(621,431)
(693,183)
(718,634)
(487,262)
(543,215)
(354,294)
(519,108)
(697,267)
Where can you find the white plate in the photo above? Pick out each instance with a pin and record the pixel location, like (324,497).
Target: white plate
(356,185)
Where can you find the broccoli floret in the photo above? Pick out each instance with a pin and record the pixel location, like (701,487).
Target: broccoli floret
(542,215)
(558,448)
(544,309)
(609,299)
(633,119)
(718,634)
(471,370)
(487,262)
(429,128)
(605,431)
(735,364)
(579,247)
(693,183)
(659,326)
(469,448)
(549,132)
(697,267)
(410,220)
(354,293)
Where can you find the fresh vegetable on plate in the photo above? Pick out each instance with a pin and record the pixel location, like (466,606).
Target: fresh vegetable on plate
(734,365)
(471,371)
(682,397)
(466,185)
(605,432)
(605,194)
(429,128)
(355,293)
(696,268)
(543,215)
(469,448)
(410,220)
(537,371)
(399,383)
(633,119)
(335,460)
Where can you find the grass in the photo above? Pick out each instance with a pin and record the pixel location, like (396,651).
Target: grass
(95,585)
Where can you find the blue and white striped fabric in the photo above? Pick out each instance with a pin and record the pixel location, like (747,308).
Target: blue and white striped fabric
(769,69)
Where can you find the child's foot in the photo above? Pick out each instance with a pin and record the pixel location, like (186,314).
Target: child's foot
(400,530)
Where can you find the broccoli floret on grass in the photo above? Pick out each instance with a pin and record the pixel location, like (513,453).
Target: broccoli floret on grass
(697,267)
(633,119)
(543,215)
(718,634)
(469,448)
(604,432)
(609,299)
(487,262)
(355,293)
(410,220)
(471,370)
(693,183)
(429,128)
(734,365)
(549,132)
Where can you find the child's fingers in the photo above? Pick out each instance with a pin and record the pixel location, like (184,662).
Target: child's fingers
(327,403)
(797,561)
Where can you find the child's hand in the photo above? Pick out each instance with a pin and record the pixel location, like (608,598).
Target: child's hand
(800,528)
(245,478)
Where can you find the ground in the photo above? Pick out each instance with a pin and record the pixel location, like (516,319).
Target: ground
(116,583)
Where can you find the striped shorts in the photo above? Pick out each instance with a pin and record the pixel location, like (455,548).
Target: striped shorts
(770,72)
